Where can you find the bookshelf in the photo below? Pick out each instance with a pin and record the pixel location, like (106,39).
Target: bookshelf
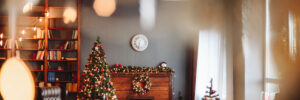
(48,45)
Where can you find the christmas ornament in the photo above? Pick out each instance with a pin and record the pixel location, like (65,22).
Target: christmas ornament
(163,64)
(141,79)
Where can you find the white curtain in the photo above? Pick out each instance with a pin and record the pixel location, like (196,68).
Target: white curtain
(211,63)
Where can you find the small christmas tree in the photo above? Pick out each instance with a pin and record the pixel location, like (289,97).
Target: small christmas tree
(211,93)
(96,81)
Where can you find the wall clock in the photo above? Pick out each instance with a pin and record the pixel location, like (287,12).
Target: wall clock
(139,42)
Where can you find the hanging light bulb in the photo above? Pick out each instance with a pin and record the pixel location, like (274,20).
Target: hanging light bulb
(23,32)
(16,78)
(34,28)
(104,8)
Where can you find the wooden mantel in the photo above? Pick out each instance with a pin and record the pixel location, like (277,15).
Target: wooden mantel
(161,88)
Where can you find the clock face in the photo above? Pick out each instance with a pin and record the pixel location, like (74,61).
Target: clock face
(139,42)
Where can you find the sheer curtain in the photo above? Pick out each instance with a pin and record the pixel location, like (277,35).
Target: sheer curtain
(211,63)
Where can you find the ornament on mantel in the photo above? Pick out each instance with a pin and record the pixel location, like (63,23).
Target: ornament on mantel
(104,8)
(163,64)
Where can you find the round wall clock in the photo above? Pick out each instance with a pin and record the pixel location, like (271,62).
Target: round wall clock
(139,42)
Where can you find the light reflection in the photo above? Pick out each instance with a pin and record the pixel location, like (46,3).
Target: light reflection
(292,35)
(104,8)
(147,14)
(16,79)
(27,7)
(23,32)
(69,15)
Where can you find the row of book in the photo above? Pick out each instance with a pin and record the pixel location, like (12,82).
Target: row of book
(70,45)
(40,55)
(8,45)
(54,55)
(58,76)
(74,34)
(39,33)
(18,44)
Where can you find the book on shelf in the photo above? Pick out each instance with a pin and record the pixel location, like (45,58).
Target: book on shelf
(71,87)
(74,87)
(51,76)
(71,45)
(50,34)
(41,44)
(40,55)
(40,33)
(54,55)
(7,44)
(74,34)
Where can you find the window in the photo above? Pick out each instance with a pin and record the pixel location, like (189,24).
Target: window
(271,72)
(211,63)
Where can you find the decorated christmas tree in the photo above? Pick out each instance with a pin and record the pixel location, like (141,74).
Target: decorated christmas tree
(211,93)
(96,81)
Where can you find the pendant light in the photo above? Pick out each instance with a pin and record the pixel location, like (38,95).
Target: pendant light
(104,8)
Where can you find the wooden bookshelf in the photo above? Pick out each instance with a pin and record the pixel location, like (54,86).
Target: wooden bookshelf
(31,43)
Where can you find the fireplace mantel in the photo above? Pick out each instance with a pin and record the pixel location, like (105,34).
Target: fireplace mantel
(161,88)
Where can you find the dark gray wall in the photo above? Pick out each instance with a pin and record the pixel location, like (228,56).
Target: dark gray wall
(167,40)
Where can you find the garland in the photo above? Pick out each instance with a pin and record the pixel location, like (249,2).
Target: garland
(141,79)
(129,69)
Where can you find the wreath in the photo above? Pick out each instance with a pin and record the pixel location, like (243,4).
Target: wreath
(141,84)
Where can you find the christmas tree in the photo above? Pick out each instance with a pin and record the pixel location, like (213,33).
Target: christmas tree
(211,93)
(96,80)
